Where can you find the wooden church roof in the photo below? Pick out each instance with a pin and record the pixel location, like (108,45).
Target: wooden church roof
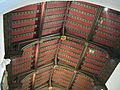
(65,45)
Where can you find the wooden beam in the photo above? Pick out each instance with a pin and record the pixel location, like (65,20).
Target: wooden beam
(33,80)
(57,51)
(36,55)
(97,16)
(42,10)
(37,45)
(65,17)
(50,78)
(63,33)
(7,20)
(72,80)
(82,56)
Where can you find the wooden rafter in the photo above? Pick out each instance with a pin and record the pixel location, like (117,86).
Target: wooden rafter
(82,56)
(97,16)
(72,80)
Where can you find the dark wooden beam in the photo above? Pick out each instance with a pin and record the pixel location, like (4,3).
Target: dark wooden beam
(100,87)
(56,54)
(94,24)
(37,46)
(7,20)
(41,22)
(21,44)
(10,77)
(13,54)
(63,33)
(72,80)
(36,55)
(33,80)
(50,78)
(65,17)
(79,63)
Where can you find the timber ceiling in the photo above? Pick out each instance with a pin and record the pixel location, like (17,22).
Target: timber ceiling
(70,45)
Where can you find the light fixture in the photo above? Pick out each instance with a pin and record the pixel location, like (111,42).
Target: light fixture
(50,88)
(101,21)
(91,51)
(63,38)
(106,9)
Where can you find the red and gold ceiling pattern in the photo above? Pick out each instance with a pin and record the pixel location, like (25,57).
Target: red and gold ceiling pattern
(60,45)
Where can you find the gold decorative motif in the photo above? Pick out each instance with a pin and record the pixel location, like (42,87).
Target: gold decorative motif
(63,38)
(56,66)
(50,88)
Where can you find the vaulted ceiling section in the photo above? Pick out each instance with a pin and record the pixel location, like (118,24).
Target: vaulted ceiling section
(70,45)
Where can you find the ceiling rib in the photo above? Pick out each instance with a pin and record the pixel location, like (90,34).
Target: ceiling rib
(82,56)
(72,80)
(37,45)
(42,10)
(63,33)
(33,81)
(97,16)
(36,54)
(65,17)
(58,46)
(56,55)
(50,79)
